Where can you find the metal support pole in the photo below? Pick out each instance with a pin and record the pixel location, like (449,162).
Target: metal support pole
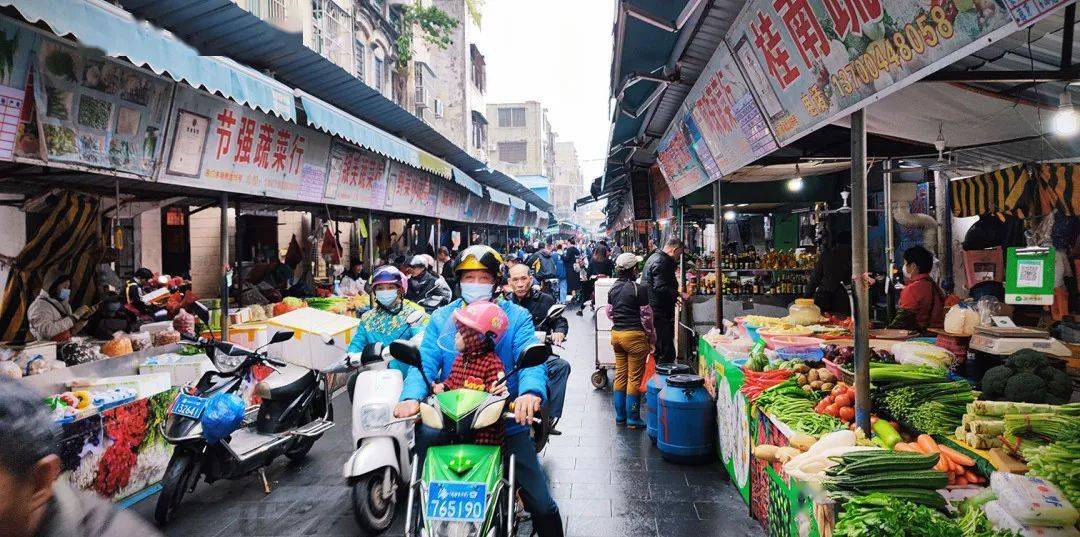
(858,267)
(438,234)
(890,244)
(718,240)
(370,242)
(941,214)
(223,250)
(239,249)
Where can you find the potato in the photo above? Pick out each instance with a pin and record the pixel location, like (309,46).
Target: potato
(786,453)
(817,384)
(826,376)
(812,375)
(802,368)
(826,386)
(801,379)
(808,388)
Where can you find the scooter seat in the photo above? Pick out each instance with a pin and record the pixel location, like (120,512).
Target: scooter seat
(285,383)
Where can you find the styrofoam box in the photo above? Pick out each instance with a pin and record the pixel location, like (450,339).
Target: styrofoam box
(145,385)
(183,370)
(600,291)
(154,328)
(320,338)
(249,335)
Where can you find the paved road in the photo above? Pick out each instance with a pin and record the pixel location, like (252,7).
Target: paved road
(607,481)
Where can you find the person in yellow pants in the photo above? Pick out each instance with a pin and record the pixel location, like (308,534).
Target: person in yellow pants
(629,340)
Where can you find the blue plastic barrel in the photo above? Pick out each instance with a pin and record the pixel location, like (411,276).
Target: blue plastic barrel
(655,384)
(686,421)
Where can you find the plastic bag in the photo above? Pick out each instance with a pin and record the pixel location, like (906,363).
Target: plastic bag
(1033,501)
(10,370)
(119,345)
(139,341)
(920,353)
(223,414)
(1002,520)
(184,322)
(166,337)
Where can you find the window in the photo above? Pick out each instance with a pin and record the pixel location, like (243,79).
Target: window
(513,152)
(479,69)
(379,74)
(359,58)
(395,88)
(317,15)
(330,31)
(479,135)
(511,117)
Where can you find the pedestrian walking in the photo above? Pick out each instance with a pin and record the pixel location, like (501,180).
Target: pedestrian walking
(571,255)
(627,302)
(600,266)
(560,273)
(659,276)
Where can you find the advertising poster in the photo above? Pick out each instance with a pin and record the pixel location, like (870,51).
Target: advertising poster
(473,208)
(702,151)
(241,150)
(410,191)
(729,119)
(451,203)
(355,177)
(810,61)
(16,47)
(681,169)
(97,112)
(732,417)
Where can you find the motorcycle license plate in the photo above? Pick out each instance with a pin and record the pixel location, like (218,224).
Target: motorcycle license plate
(189,406)
(458,502)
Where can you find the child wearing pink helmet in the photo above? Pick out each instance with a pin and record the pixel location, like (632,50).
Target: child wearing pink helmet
(480,326)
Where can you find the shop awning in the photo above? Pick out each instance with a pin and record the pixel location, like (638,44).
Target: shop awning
(469,183)
(1058,188)
(517,203)
(1002,191)
(498,196)
(99,25)
(331,119)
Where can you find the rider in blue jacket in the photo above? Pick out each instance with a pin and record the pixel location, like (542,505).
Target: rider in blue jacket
(389,318)
(477,269)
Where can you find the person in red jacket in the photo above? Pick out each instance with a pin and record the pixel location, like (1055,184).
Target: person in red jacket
(480,326)
(922,303)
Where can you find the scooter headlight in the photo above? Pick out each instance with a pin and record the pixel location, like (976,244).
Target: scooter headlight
(374,416)
(456,529)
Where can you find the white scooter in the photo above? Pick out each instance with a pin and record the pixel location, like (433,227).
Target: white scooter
(376,471)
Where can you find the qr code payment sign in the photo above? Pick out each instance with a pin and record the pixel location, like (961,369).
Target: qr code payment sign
(1029,273)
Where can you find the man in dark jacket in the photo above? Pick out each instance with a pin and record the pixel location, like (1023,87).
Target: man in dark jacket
(425,288)
(446,261)
(33,501)
(659,277)
(538,303)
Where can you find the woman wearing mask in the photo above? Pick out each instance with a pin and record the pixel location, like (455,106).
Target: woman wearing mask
(387,319)
(50,316)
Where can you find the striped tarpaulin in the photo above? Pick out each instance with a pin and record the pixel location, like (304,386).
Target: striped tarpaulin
(1002,191)
(70,239)
(1058,188)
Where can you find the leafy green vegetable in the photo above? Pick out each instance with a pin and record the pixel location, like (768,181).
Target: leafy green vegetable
(932,408)
(1059,463)
(974,523)
(880,514)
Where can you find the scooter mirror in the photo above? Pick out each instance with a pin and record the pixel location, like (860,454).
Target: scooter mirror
(372,354)
(284,335)
(533,355)
(225,347)
(405,352)
(414,318)
(556,310)
(202,312)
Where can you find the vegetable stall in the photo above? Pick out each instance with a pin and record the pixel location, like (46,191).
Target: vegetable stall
(946,454)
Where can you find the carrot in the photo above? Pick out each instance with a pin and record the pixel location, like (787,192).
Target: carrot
(972,477)
(901,446)
(942,464)
(961,482)
(952,480)
(959,458)
(928,443)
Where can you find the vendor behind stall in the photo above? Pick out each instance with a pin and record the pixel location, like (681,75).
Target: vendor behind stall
(111,318)
(50,315)
(922,303)
(134,290)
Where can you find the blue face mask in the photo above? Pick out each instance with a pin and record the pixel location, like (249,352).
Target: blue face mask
(474,292)
(65,294)
(386,297)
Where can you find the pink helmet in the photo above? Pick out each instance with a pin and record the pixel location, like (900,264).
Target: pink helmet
(484,317)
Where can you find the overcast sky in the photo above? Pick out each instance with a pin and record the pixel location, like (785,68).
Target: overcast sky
(557,52)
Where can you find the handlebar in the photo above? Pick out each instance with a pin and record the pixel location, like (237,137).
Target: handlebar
(512,416)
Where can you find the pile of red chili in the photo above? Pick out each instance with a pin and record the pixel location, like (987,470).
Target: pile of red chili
(757,382)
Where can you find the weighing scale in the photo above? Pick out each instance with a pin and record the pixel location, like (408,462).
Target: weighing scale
(1004,340)
(991,345)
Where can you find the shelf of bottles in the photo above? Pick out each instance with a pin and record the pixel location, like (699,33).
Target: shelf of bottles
(780,273)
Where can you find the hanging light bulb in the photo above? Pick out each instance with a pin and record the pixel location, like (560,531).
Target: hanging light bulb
(1066,121)
(795,184)
(729,216)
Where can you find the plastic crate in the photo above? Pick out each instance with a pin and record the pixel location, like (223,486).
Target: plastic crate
(806,353)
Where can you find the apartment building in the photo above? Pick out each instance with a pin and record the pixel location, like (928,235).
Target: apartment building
(566,181)
(522,140)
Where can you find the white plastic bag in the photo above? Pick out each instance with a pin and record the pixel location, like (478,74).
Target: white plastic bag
(1002,520)
(1033,501)
(921,353)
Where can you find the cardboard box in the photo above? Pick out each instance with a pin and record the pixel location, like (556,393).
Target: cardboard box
(320,338)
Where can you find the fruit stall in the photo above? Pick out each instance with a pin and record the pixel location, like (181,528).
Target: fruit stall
(992,455)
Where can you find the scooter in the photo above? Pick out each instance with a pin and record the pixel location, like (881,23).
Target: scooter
(295,412)
(464,488)
(376,470)
(542,433)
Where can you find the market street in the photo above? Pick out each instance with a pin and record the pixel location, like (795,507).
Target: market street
(606,481)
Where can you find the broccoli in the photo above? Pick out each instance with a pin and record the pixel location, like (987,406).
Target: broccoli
(1028,360)
(1025,387)
(993,382)
(1058,385)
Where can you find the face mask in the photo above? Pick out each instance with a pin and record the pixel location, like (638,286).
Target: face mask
(907,273)
(65,294)
(473,292)
(386,297)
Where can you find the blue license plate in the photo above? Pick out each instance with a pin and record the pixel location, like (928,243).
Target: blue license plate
(458,502)
(189,406)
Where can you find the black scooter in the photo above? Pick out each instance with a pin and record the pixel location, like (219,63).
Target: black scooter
(294,413)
